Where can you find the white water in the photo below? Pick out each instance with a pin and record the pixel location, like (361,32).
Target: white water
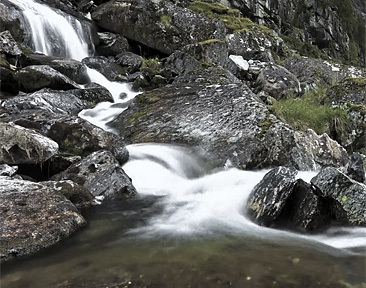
(47,26)
(210,202)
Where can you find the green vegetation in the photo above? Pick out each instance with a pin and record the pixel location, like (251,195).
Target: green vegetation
(151,65)
(308,112)
(166,19)
(232,18)
(347,85)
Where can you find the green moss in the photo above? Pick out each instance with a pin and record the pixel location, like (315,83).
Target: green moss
(3,61)
(151,65)
(264,126)
(166,19)
(138,114)
(232,18)
(308,112)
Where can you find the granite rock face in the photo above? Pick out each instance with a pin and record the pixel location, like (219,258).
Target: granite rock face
(33,216)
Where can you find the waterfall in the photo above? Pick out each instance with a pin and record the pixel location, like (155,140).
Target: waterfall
(53,32)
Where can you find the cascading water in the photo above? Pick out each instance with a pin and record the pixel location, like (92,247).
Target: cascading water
(55,33)
(180,198)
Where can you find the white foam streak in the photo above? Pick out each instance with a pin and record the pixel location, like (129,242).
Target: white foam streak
(48,26)
(211,203)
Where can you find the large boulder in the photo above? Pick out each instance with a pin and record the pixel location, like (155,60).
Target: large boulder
(269,196)
(159,25)
(73,69)
(102,174)
(8,81)
(226,120)
(74,135)
(36,77)
(348,197)
(278,82)
(8,45)
(112,71)
(33,216)
(111,44)
(355,168)
(57,101)
(24,146)
(9,20)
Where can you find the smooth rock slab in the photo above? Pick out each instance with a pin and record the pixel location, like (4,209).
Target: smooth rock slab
(24,146)
(32,217)
(349,196)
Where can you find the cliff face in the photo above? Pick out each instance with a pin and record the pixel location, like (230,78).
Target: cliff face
(336,27)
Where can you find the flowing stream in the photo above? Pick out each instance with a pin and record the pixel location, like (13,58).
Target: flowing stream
(187,227)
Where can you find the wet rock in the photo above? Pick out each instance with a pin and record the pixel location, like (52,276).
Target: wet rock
(8,45)
(269,196)
(317,72)
(257,43)
(73,69)
(159,25)
(355,168)
(77,194)
(33,216)
(36,77)
(110,70)
(198,56)
(227,121)
(348,197)
(102,174)
(130,61)
(8,81)
(56,101)
(278,82)
(111,44)
(24,146)
(9,20)
(304,210)
(6,170)
(74,135)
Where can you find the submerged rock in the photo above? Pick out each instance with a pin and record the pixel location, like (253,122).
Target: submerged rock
(102,174)
(24,146)
(269,196)
(348,196)
(33,216)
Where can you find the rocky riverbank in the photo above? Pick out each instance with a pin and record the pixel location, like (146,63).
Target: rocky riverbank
(211,76)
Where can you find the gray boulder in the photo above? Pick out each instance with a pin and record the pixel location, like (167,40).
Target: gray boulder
(6,170)
(278,82)
(159,25)
(269,196)
(74,135)
(102,174)
(57,101)
(8,81)
(8,45)
(130,61)
(304,211)
(348,197)
(36,77)
(73,69)
(112,71)
(111,44)
(227,121)
(355,168)
(33,216)
(24,146)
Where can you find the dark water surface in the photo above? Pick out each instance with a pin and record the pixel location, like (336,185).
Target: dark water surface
(104,255)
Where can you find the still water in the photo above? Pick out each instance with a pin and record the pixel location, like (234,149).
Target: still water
(188,228)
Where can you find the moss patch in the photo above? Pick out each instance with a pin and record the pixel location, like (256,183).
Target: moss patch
(232,18)
(166,20)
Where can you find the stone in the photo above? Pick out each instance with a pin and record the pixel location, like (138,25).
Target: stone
(355,168)
(33,216)
(36,77)
(8,45)
(112,71)
(269,196)
(160,25)
(8,81)
(305,211)
(348,196)
(111,44)
(20,145)
(6,170)
(100,173)
(74,135)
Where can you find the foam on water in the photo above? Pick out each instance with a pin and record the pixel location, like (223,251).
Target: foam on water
(211,203)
